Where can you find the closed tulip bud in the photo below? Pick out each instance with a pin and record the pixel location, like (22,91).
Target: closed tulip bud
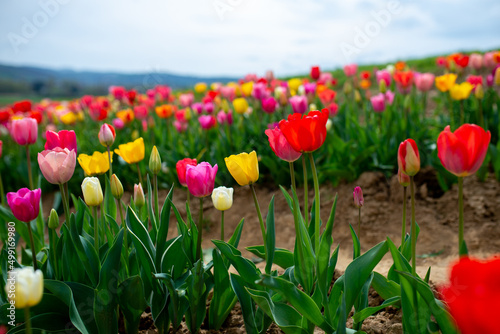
(347,88)
(155,161)
(107,135)
(497,76)
(222,198)
(407,102)
(408,157)
(358,197)
(27,286)
(116,187)
(403,179)
(139,198)
(53,222)
(357,96)
(382,86)
(479,92)
(92,191)
(329,124)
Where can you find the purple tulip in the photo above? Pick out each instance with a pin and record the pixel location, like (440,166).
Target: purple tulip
(25,203)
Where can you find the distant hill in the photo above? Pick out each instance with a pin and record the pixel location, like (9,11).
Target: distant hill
(25,79)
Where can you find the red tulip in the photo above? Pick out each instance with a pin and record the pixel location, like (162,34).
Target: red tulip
(462,152)
(408,157)
(181,169)
(21,106)
(308,133)
(473,295)
(25,204)
(62,139)
(24,131)
(315,72)
(280,145)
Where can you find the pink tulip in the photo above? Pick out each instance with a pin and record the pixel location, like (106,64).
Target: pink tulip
(383,75)
(118,92)
(333,109)
(269,105)
(25,203)
(62,139)
(151,93)
(198,107)
(310,88)
(299,104)
(476,61)
(280,145)
(221,117)
(180,126)
(200,179)
(358,197)
(1,147)
(350,70)
(209,107)
(229,92)
(378,102)
(325,78)
(424,81)
(57,165)
(186,99)
(489,60)
(107,135)
(141,111)
(24,131)
(118,123)
(389,97)
(207,121)
(229,117)
(489,80)
(259,90)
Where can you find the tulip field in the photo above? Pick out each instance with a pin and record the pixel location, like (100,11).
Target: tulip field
(116,246)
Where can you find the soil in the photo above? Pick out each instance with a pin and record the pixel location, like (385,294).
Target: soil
(381,217)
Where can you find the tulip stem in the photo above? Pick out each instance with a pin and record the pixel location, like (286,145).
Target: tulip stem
(200,231)
(480,110)
(157,211)
(52,252)
(316,202)
(96,232)
(462,112)
(139,173)
(124,226)
(65,203)
(32,242)
(460,213)
(2,193)
(261,221)
(359,223)
(222,226)
(28,157)
(188,204)
(292,176)
(306,200)
(27,320)
(109,159)
(413,229)
(403,229)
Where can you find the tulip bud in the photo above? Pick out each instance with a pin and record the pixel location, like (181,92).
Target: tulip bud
(347,88)
(358,197)
(155,161)
(312,106)
(382,86)
(139,198)
(329,124)
(107,135)
(407,102)
(92,191)
(497,76)
(53,220)
(27,286)
(116,187)
(222,198)
(408,157)
(357,96)
(403,179)
(479,92)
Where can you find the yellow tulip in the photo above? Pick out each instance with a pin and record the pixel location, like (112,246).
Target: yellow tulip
(200,87)
(131,152)
(244,167)
(294,84)
(25,289)
(68,118)
(445,82)
(95,164)
(240,105)
(92,191)
(462,91)
(247,88)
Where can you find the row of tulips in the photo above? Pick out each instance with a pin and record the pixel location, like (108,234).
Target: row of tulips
(124,269)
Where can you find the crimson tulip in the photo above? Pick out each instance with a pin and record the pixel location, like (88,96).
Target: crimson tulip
(462,152)
(62,139)
(181,169)
(315,72)
(305,134)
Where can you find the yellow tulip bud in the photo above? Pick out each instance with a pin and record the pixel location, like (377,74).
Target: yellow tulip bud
(382,86)
(24,287)
(155,161)
(53,221)
(116,187)
(92,191)
(244,167)
(240,105)
(357,96)
(479,92)
(222,198)
(347,88)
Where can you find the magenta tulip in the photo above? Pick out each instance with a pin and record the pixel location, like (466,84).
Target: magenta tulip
(358,197)
(57,165)
(269,105)
(207,121)
(299,104)
(280,145)
(198,107)
(24,131)
(378,102)
(62,139)
(383,75)
(200,179)
(25,203)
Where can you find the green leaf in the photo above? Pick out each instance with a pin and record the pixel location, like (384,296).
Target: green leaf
(235,238)
(247,306)
(245,267)
(270,236)
(365,313)
(132,302)
(356,246)
(174,260)
(224,298)
(163,225)
(282,257)
(88,258)
(385,288)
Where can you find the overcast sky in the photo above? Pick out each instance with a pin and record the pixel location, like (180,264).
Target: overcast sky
(235,37)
